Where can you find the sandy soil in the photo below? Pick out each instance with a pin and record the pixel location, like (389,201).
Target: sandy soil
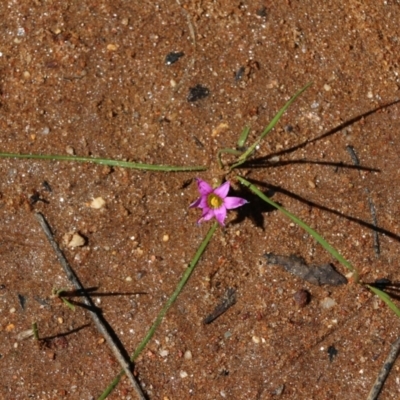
(90,78)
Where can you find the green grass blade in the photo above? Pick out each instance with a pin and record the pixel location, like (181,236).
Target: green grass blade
(105,161)
(270,126)
(386,298)
(243,137)
(68,304)
(299,222)
(35,330)
(282,111)
(166,307)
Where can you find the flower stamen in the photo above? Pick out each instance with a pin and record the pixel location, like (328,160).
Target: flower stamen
(214,201)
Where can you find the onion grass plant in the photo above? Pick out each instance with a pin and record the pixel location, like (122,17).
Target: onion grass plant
(214,203)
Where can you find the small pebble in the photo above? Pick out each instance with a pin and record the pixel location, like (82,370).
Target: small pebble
(227,335)
(327,87)
(128,279)
(315,104)
(183,374)
(98,203)
(70,150)
(274,159)
(112,47)
(76,241)
(302,298)
(256,339)
(188,355)
(60,320)
(165,238)
(327,303)
(164,353)
(12,310)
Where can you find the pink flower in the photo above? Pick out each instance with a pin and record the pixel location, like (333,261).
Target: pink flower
(215,202)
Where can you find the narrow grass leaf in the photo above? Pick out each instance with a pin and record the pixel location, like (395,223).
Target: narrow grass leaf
(243,136)
(68,304)
(105,161)
(386,298)
(270,126)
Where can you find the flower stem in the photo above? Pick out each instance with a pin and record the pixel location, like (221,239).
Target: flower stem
(166,307)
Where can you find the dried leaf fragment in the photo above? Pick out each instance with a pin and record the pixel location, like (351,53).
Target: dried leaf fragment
(324,274)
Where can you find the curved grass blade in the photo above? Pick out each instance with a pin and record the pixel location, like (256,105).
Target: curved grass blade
(269,128)
(105,161)
(302,224)
(386,298)
(166,307)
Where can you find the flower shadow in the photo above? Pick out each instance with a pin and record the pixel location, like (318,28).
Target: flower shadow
(254,209)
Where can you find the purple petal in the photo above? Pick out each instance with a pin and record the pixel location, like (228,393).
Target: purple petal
(222,191)
(206,216)
(201,202)
(207,210)
(203,187)
(234,202)
(220,215)
(196,203)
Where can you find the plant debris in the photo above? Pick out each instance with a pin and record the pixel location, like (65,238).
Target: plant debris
(324,274)
(228,300)
(197,92)
(173,57)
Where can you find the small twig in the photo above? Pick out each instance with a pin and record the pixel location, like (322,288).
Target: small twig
(383,374)
(228,300)
(191,28)
(91,307)
(353,155)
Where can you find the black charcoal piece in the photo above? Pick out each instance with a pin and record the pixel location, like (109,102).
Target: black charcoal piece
(22,301)
(332,353)
(197,92)
(46,186)
(173,57)
(316,274)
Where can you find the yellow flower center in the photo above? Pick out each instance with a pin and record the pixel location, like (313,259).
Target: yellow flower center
(214,201)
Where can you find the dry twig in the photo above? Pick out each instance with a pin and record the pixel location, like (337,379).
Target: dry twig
(97,319)
(383,374)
